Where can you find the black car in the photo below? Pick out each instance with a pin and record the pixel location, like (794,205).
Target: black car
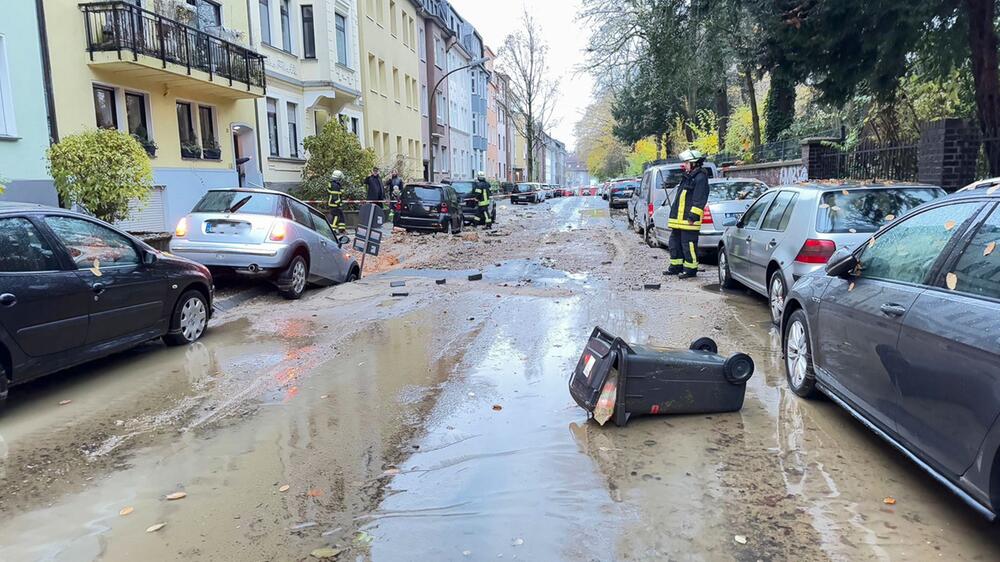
(620,192)
(470,205)
(73,289)
(429,206)
(903,331)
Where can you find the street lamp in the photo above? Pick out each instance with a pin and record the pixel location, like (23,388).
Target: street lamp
(432,103)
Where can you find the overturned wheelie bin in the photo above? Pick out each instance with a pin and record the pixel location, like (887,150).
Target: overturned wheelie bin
(614,379)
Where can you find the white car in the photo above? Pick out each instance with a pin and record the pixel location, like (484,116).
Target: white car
(656,182)
(728,199)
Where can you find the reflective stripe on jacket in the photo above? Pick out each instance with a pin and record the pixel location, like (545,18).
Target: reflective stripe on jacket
(481,190)
(336,195)
(689,204)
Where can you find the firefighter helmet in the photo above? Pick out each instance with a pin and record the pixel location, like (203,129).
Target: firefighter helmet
(337,175)
(692,155)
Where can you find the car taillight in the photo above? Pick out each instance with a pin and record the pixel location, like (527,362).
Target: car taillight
(816,251)
(650,209)
(706,218)
(444,207)
(182,228)
(278,232)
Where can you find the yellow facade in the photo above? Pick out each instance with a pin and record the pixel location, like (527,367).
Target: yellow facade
(111,63)
(390,75)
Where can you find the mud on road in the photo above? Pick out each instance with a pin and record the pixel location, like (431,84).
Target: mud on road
(438,426)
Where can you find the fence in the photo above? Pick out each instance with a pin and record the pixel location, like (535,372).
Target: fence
(898,163)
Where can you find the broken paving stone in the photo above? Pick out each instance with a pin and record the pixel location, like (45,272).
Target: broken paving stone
(397,284)
(176,496)
(740,539)
(476,277)
(652,286)
(326,553)
(441,281)
(401,294)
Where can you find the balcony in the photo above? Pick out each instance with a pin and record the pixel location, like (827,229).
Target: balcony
(126,37)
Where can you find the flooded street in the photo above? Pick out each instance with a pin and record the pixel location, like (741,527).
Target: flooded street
(438,426)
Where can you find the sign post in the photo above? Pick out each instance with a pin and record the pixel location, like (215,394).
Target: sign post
(368,238)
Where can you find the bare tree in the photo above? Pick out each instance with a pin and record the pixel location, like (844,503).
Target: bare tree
(533,90)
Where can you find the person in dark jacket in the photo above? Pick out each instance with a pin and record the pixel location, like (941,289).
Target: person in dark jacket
(481,191)
(685,215)
(376,191)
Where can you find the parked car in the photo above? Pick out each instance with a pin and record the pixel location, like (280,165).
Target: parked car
(470,205)
(588,190)
(982,184)
(74,289)
(620,192)
(904,333)
(793,230)
(430,207)
(266,234)
(657,184)
(728,199)
(526,193)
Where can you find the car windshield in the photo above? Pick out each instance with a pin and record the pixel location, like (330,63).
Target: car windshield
(867,210)
(462,187)
(523,188)
(735,191)
(626,185)
(243,202)
(423,193)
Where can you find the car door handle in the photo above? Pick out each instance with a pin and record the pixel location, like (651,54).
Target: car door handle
(8,299)
(772,243)
(98,288)
(892,310)
(749,238)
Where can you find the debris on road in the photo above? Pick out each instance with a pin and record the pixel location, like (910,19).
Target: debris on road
(326,553)
(475,277)
(652,286)
(284,488)
(497,407)
(740,539)
(400,294)
(64,402)
(176,496)
(397,284)
(889,500)
(155,528)
(126,511)
(440,281)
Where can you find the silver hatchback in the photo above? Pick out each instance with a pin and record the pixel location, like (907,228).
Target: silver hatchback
(264,233)
(793,230)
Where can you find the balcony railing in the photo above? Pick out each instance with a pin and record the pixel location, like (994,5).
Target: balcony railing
(121,26)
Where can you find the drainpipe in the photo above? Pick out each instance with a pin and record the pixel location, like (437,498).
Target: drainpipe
(50,105)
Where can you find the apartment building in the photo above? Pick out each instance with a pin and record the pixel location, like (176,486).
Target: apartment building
(390,83)
(181,76)
(435,40)
(313,71)
(478,78)
(492,168)
(24,125)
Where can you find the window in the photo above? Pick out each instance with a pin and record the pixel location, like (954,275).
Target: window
(438,53)
(185,125)
(423,100)
(372,73)
(106,108)
(89,242)
(341,39)
(752,216)
(864,210)
(781,212)
(213,11)
(265,21)
(392,18)
(355,125)
(247,203)
(22,249)
(272,125)
(422,48)
(300,213)
(309,33)
(441,108)
(8,126)
(135,114)
(907,251)
(322,227)
(395,84)
(978,270)
(735,191)
(286,27)
(206,122)
(382,79)
(293,132)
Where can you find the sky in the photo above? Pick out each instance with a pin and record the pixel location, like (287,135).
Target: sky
(494,19)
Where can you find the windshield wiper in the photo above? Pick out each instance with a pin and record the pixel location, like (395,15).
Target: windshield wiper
(239,204)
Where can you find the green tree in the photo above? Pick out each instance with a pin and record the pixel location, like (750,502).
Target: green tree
(102,171)
(335,148)
(779,108)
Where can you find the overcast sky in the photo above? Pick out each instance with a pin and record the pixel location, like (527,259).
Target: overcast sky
(494,19)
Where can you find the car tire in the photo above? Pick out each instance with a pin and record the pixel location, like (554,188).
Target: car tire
(777,292)
(352,276)
(297,275)
(797,351)
(649,234)
(461,225)
(189,319)
(726,280)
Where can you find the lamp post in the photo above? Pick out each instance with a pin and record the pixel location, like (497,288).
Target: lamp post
(432,106)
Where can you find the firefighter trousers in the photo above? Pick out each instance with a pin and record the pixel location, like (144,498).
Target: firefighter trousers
(683,246)
(483,216)
(337,219)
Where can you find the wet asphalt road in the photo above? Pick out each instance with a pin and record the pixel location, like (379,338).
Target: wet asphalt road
(438,426)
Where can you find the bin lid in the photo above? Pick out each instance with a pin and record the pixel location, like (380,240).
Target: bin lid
(592,370)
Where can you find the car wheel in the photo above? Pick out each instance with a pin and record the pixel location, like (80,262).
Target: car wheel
(776,294)
(650,236)
(296,275)
(725,277)
(798,356)
(352,276)
(189,320)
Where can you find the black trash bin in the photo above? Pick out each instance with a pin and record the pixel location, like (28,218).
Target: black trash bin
(657,381)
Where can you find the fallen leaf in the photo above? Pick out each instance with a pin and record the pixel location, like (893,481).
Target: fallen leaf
(155,528)
(989,248)
(740,539)
(64,402)
(890,217)
(315,493)
(952,281)
(949,225)
(871,243)
(889,501)
(284,488)
(845,192)
(850,287)
(326,553)
(126,510)
(497,407)
(176,495)
(852,230)
(96,270)
(363,538)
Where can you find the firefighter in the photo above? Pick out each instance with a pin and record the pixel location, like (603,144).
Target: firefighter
(481,191)
(335,202)
(685,215)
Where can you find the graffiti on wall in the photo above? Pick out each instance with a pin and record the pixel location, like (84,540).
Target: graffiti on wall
(784,173)
(793,174)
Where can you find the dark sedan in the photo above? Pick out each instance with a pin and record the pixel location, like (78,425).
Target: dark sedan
(620,192)
(429,206)
(904,332)
(73,289)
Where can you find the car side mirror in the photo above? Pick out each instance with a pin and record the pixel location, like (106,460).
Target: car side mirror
(841,263)
(343,239)
(149,258)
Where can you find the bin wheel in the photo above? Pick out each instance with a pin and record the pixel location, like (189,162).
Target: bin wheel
(738,368)
(705,344)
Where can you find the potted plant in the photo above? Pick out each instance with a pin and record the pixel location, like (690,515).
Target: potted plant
(190,150)
(147,143)
(211,150)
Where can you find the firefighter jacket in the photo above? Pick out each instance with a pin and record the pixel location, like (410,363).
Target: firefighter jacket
(481,191)
(689,201)
(336,195)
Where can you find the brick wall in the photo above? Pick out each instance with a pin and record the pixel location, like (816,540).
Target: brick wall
(948,151)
